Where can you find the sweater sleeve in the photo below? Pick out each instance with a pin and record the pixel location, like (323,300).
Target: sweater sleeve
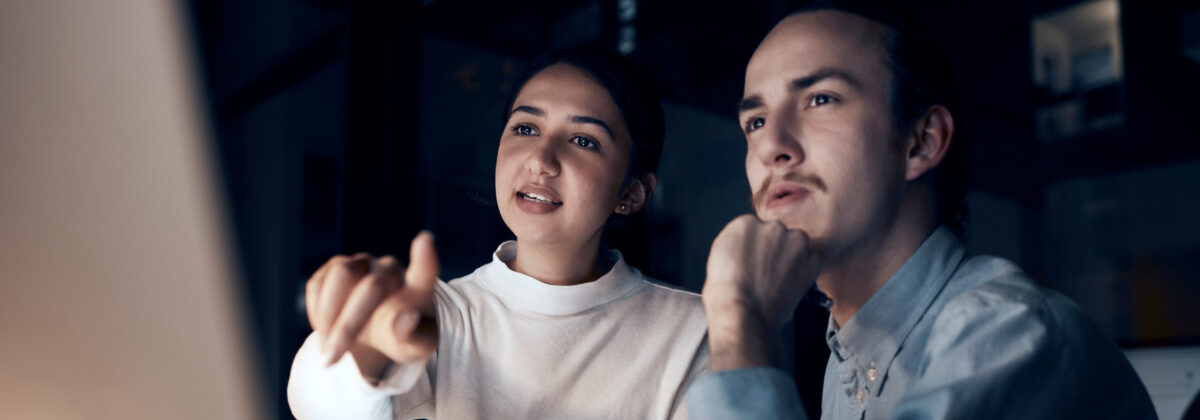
(340,391)
(698,368)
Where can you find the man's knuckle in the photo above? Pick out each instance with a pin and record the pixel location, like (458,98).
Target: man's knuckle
(741,224)
(775,226)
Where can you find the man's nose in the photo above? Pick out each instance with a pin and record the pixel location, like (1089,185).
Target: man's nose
(543,158)
(780,145)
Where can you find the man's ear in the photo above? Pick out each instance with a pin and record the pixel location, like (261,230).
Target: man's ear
(636,194)
(929,142)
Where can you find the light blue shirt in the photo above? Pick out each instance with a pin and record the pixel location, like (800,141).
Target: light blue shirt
(949,337)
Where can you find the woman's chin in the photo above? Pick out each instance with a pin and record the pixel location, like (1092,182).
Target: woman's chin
(537,235)
(545,230)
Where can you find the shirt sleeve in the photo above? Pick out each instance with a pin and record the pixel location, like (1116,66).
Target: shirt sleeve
(750,393)
(1024,358)
(340,391)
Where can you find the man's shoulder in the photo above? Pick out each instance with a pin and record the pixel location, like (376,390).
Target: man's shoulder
(987,281)
(992,289)
(997,319)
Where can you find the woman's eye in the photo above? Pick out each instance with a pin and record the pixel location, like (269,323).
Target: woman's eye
(754,124)
(820,99)
(525,130)
(585,142)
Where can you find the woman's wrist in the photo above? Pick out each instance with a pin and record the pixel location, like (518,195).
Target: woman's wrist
(371,363)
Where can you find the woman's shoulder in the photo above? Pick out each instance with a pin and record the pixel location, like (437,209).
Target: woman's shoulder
(670,291)
(671,298)
(463,287)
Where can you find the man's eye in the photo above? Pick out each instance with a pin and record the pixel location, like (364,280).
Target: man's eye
(754,124)
(525,130)
(585,142)
(820,99)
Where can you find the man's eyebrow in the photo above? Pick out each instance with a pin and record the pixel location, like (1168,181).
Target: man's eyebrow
(805,82)
(801,83)
(748,103)
(596,121)
(529,110)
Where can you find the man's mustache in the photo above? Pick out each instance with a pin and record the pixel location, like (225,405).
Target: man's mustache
(811,182)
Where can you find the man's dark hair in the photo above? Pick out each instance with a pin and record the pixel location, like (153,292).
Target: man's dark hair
(922,76)
(632,92)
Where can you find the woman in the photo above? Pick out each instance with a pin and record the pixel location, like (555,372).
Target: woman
(557,325)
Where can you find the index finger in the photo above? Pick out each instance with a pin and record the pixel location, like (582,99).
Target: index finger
(423,265)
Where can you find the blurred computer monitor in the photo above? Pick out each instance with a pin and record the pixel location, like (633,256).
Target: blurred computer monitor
(117,293)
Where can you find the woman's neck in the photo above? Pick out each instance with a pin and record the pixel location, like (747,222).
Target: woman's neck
(558,264)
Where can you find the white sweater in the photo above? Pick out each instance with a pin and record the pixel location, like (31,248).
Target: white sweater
(512,347)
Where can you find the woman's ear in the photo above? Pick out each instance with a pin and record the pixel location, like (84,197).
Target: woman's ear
(636,194)
(929,142)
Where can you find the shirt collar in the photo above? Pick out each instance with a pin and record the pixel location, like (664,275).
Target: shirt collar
(526,293)
(873,336)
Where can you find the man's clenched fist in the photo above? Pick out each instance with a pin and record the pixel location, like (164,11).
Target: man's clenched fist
(760,267)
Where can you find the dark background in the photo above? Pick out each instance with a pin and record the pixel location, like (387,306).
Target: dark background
(347,126)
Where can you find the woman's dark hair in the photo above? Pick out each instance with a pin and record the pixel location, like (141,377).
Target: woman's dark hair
(642,112)
(635,97)
(922,76)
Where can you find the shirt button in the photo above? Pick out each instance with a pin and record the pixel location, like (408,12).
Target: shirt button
(860,396)
(872,374)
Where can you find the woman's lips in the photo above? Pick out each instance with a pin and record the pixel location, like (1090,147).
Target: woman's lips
(537,199)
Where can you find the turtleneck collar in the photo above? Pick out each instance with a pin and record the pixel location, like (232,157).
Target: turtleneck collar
(527,293)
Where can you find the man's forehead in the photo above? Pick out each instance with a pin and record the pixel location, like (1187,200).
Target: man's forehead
(831,23)
(805,42)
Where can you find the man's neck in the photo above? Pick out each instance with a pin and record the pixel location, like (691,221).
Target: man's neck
(865,267)
(557,264)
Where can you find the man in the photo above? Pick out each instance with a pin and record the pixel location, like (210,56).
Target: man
(851,157)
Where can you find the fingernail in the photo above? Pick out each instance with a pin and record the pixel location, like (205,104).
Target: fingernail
(329,353)
(406,321)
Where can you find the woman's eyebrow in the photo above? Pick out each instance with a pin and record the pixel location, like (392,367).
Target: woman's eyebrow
(596,121)
(537,112)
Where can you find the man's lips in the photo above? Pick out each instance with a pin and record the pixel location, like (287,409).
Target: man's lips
(784,193)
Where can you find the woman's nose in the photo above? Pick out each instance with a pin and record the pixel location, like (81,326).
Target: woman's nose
(543,159)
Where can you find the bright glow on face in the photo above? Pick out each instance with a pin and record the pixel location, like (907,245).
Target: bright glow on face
(562,159)
(821,149)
